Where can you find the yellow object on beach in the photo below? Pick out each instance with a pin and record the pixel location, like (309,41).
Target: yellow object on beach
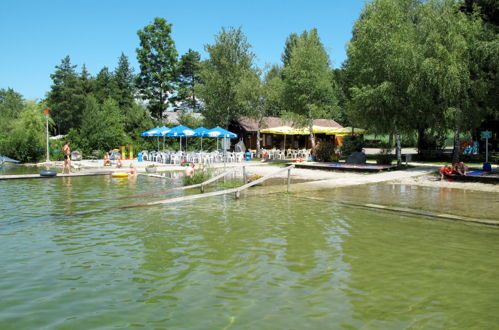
(119,175)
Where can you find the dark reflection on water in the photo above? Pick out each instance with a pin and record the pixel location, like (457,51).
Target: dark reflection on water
(271,261)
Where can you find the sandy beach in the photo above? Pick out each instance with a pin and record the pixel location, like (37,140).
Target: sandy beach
(419,175)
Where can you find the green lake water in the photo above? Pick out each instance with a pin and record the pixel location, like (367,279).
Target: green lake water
(267,261)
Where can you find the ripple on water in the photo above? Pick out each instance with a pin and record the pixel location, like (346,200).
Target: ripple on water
(279,261)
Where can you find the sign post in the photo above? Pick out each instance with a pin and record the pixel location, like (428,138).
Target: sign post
(47,115)
(486,135)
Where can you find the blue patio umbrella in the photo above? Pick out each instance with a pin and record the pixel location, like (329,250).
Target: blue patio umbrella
(162,132)
(200,131)
(157,131)
(181,131)
(151,132)
(220,132)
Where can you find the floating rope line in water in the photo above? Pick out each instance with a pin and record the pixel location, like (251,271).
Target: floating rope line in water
(408,210)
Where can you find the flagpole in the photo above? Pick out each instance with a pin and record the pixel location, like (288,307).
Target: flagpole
(47,114)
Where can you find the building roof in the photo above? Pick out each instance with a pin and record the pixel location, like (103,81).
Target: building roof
(252,125)
(174,116)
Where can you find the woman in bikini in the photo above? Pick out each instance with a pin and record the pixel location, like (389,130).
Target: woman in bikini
(67,157)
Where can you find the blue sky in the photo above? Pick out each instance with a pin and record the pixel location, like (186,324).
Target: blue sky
(35,35)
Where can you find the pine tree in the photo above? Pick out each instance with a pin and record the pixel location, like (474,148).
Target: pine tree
(124,83)
(102,126)
(66,98)
(157,58)
(104,85)
(189,79)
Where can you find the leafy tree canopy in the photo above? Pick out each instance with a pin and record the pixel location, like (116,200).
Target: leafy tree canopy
(307,79)
(102,127)
(230,60)
(11,105)
(157,57)
(409,61)
(66,97)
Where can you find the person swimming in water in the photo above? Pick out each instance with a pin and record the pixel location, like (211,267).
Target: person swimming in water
(189,170)
(132,171)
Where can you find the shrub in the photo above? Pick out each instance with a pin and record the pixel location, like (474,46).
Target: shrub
(326,152)
(385,157)
(352,143)
(198,177)
(25,140)
(56,149)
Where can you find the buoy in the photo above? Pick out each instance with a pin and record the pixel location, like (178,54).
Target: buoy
(48,173)
(119,175)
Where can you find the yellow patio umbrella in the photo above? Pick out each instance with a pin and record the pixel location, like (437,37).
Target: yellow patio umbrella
(282,130)
(346,131)
(287,130)
(321,129)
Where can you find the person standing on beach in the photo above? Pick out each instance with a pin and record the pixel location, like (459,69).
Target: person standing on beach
(107,161)
(67,157)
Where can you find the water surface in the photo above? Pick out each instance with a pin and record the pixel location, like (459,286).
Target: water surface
(264,261)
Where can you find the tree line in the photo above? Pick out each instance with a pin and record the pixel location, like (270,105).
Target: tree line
(423,67)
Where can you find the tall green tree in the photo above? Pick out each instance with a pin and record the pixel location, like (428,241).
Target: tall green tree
(273,91)
(11,105)
(291,43)
(343,83)
(488,10)
(410,66)
(307,81)
(447,38)
(379,59)
(293,40)
(26,139)
(66,98)
(104,85)
(251,98)
(86,81)
(189,79)
(124,83)
(485,57)
(137,119)
(157,57)
(229,60)
(102,126)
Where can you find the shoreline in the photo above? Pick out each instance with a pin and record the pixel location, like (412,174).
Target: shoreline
(424,175)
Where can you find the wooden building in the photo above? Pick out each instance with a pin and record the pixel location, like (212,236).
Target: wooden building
(246,128)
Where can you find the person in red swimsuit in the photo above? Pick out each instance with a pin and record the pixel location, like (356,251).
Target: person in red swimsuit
(444,171)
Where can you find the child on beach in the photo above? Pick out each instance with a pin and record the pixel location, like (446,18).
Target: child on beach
(107,161)
(444,171)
